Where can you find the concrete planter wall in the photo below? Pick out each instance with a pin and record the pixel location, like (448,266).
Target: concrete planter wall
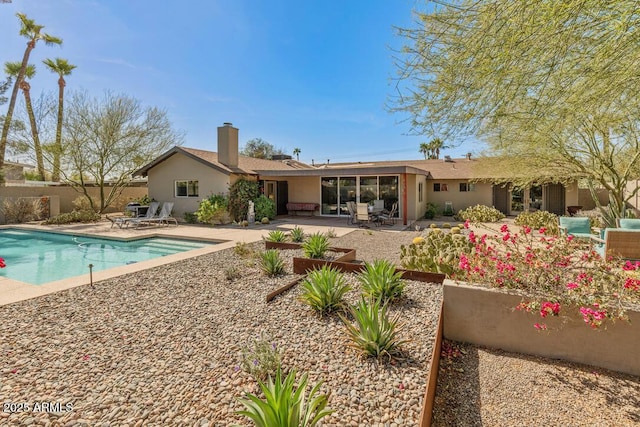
(486,317)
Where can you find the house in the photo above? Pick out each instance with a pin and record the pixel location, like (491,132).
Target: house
(186,175)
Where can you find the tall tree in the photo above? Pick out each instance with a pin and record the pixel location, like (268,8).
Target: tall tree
(260,149)
(33,32)
(62,68)
(296,152)
(551,85)
(425,149)
(13,69)
(107,139)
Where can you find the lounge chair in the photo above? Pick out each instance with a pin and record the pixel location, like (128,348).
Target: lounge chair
(164,216)
(576,226)
(351,209)
(618,243)
(125,221)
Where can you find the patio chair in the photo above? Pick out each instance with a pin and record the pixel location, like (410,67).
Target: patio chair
(576,226)
(628,223)
(618,243)
(351,209)
(164,216)
(362,214)
(389,217)
(125,221)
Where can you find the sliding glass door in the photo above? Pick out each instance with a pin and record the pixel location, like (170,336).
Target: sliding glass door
(337,191)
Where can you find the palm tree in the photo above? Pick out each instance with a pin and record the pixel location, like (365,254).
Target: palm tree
(32,32)
(436,145)
(13,69)
(296,152)
(62,68)
(425,149)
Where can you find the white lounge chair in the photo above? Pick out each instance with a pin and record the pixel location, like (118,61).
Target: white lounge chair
(164,216)
(125,221)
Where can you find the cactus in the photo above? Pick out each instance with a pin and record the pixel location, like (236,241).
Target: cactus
(455,230)
(446,225)
(433,225)
(439,252)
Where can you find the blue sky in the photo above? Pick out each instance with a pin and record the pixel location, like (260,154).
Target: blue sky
(311,74)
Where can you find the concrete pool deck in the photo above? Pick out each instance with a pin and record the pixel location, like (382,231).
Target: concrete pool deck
(226,235)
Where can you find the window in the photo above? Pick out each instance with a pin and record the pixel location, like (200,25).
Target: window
(467,186)
(186,188)
(419,192)
(440,187)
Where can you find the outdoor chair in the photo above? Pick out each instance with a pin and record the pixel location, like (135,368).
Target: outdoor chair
(125,221)
(163,217)
(362,214)
(628,223)
(351,209)
(618,243)
(389,217)
(576,226)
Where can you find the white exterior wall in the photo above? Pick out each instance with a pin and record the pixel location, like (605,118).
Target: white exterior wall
(179,167)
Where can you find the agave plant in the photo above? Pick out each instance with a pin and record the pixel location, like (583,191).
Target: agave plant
(272,264)
(284,407)
(276,236)
(315,246)
(324,289)
(373,334)
(381,281)
(297,234)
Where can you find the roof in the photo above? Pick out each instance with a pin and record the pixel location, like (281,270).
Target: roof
(246,165)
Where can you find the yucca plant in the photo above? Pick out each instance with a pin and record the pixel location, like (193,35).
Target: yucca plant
(297,234)
(276,236)
(271,263)
(315,246)
(324,289)
(380,280)
(285,407)
(373,334)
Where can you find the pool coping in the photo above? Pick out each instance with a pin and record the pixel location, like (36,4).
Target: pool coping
(15,290)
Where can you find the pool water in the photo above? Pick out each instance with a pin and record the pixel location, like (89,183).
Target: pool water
(39,257)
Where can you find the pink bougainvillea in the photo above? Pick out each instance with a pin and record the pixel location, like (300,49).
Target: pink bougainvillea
(2,264)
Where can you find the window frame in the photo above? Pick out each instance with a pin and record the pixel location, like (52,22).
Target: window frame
(189,184)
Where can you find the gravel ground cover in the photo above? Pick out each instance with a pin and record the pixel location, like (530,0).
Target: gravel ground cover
(486,387)
(162,347)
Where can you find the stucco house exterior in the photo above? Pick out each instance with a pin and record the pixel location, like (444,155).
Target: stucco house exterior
(186,175)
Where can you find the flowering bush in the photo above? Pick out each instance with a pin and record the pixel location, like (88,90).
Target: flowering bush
(553,272)
(2,264)
(480,213)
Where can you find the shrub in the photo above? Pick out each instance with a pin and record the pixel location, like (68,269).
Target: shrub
(231,273)
(242,249)
(297,234)
(448,210)
(431,211)
(241,193)
(480,213)
(539,219)
(374,334)
(272,264)
(261,358)
(316,245)
(84,216)
(143,200)
(22,210)
(324,289)
(190,217)
(552,272)
(276,236)
(285,407)
(213,210)
(264,207)
(380,280)
(437,252)
(264,220)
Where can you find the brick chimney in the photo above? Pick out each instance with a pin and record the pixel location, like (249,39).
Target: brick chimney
(228,145)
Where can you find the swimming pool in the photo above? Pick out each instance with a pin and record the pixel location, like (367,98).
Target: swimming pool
(37,257)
